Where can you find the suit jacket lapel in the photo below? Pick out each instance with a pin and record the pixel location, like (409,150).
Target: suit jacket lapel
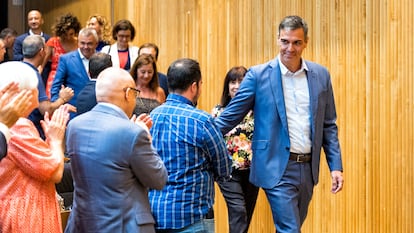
(313,97)
(80,64)
(277,91)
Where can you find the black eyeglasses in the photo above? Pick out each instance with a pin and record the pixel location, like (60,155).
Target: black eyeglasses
(136,91)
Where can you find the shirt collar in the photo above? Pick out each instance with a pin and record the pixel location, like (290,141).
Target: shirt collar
(179,98)
(31,65)
(116,108)
(31,32)
(81,55)
(284,70)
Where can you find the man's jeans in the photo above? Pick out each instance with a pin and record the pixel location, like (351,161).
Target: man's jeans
(202,226)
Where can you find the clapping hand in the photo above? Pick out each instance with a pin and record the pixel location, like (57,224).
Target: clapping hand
(55,127)
(14,103)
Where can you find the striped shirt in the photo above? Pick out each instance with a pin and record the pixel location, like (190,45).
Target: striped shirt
(195,154)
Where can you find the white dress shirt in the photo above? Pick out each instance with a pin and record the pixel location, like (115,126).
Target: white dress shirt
(298,112)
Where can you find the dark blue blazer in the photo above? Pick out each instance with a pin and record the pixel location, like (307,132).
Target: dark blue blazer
(18,48)
(87,98)
(163,81)
(262,91)
(70,73)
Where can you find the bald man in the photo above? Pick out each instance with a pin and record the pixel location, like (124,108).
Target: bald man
(35,22)
(113,162)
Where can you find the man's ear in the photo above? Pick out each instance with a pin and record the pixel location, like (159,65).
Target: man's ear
(194,87)
(126,96)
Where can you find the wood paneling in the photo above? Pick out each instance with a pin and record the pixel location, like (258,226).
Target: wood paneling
(82,9)
(368,47)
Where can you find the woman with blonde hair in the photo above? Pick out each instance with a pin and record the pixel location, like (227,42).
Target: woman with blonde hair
(33,166)
(102,28)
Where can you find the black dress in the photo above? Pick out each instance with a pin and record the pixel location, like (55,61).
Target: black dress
(145,105)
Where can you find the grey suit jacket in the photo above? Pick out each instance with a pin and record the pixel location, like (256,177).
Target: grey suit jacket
(113,166)
(262,91)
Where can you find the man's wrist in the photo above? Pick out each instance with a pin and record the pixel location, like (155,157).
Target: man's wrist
(63,99)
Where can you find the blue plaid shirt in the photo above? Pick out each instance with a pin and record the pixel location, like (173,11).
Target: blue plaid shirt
(194,153)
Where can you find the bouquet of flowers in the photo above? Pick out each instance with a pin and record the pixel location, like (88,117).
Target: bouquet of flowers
(239,143)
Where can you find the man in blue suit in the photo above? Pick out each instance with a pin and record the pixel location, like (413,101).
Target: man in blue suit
(72,70)
(294,116)
(113,162)
(35,22)
(87,97)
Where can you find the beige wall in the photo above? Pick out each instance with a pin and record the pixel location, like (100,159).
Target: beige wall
(368,47)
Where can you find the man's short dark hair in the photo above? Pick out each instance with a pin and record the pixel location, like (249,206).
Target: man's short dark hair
(182,73)
(97,63)
(149,45)
(7,32)
(293,22)
(123,25)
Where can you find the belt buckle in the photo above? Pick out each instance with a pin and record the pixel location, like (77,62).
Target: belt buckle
(298,158)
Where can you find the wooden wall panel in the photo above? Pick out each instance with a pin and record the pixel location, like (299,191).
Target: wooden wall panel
(366,45)
(82,9)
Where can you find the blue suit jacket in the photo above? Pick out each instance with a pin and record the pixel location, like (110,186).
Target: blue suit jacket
(70,73)
(163,81)
(18,45)
(113,166)
(86,99)
(262,91)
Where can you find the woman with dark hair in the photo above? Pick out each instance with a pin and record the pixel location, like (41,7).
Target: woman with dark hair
(66,31)
(240,195)
(144,72)
(123,54)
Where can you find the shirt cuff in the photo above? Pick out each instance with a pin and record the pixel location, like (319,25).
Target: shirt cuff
(5,130)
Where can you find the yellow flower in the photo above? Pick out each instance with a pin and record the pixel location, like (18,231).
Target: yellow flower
(243,137)
(235,156)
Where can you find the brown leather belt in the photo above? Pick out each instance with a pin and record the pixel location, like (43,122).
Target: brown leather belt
(300,158)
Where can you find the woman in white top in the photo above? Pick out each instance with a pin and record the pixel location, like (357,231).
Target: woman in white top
(122,53)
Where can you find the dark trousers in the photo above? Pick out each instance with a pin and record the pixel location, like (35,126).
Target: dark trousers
(240,196)
(65,187)
(45,72)
(290,198)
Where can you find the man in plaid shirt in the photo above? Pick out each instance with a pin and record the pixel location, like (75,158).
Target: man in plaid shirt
(193,151)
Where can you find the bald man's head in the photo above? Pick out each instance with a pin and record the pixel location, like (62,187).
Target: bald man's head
(113,86)
(35,21)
